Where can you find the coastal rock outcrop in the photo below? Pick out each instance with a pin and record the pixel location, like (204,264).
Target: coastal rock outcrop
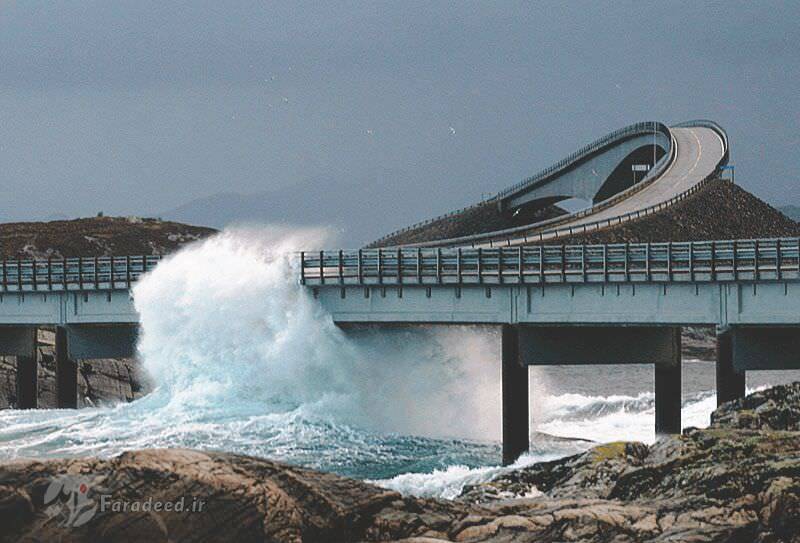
(736,481)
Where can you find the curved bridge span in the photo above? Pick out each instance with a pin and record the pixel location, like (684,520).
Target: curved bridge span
(679,159)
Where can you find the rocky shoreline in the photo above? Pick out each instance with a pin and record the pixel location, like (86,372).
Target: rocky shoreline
(736,481)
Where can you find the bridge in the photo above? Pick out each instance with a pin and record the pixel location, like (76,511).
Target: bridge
(89,303)
(681,159)
(555,304)
(583,304)
(587,304)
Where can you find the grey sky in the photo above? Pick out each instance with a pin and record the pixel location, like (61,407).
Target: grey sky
(139,107)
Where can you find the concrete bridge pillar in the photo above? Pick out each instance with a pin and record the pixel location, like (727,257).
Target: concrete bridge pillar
(515,397)
(28,374)
(668,390)
(730,382)
(19,341)
(66,372)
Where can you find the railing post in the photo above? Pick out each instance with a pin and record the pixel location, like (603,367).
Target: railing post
(19,274)
(669,261)
(583,262)
(734,262)
(399,266)
(80,273)
(33,266)
(95,274)
(111,279)
(647,262)
(438,265)
(127,273)
(458,265)
(5,276)
(627,264)
(691,261)
(321,268)
(500,266)
(778,260)
(419,265)
(563,264)
(480,268)
(302,268)
(797,244)
(541,264)
(519,265)
(756,271)
(341,268)
(713,261)
(360,271)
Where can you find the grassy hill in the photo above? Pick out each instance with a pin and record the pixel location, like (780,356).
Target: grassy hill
(96,236)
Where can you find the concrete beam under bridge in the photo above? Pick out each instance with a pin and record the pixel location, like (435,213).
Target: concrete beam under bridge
(765,347)
(101,341)
(577,345)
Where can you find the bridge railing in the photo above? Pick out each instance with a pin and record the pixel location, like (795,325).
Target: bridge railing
(92,273)
(729,260)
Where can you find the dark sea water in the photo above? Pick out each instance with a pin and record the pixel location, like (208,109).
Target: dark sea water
(245,362)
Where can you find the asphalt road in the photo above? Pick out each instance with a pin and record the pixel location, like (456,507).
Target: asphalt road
(699,150)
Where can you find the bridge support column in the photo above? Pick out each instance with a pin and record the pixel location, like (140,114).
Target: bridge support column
(66,372)
(515,397)
(668,391)
(28,376)
(730,383)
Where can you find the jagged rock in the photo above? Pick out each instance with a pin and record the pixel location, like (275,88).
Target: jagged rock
(721,484)
(776,408)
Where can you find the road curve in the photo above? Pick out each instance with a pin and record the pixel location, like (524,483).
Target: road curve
(699,151)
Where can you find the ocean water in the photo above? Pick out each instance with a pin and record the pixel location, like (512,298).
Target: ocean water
(245,361)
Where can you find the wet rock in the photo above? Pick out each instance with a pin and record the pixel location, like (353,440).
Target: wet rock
(726,483)
(776,408)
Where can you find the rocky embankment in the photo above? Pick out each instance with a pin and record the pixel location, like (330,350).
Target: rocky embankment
(96,236)
(736,481)
(720,210)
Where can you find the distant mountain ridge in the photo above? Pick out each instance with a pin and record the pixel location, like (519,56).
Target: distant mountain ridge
(791,211)
(360,212)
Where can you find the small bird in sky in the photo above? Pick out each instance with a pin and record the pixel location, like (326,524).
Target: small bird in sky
(452,130)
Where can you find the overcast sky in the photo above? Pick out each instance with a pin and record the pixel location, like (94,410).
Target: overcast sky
(138,107)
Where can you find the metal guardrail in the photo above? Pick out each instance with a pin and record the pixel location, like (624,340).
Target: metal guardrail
(727,260)
(647,127)
(73,274)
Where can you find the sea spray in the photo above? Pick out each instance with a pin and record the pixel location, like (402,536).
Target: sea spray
(224,322)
